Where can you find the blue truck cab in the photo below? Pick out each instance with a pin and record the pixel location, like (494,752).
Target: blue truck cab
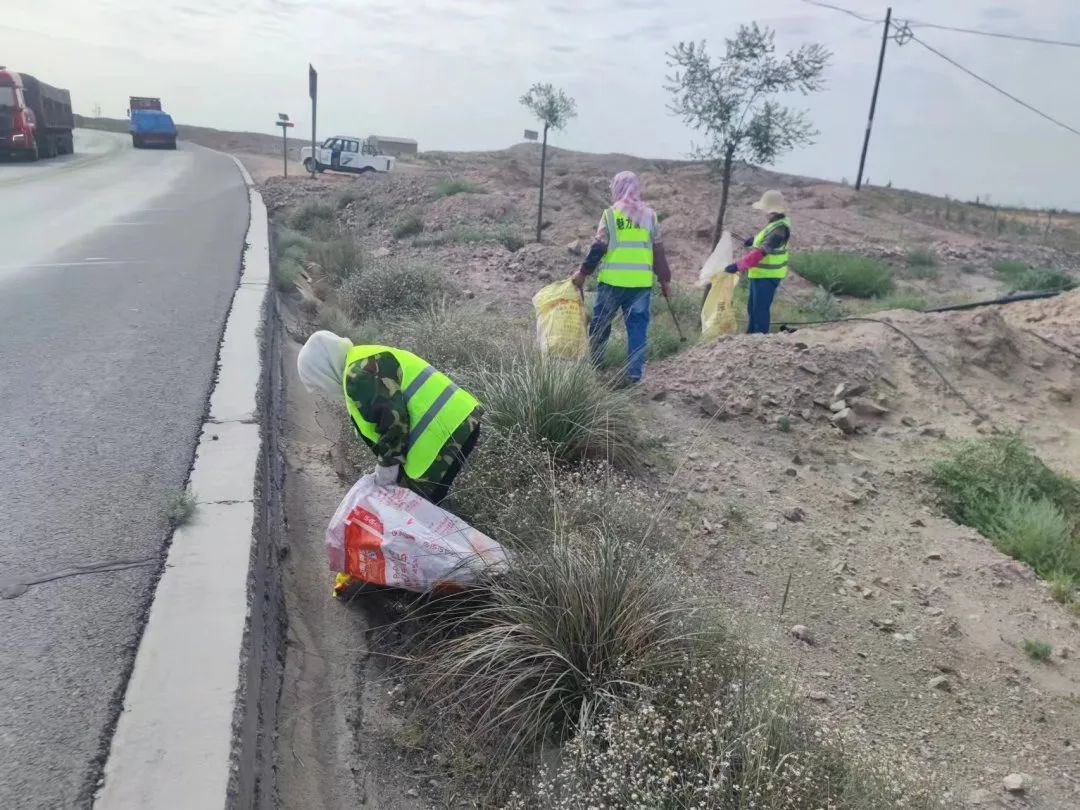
(150,128)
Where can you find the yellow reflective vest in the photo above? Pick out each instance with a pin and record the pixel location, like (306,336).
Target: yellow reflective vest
(774,263)
(436,406)
(629,258)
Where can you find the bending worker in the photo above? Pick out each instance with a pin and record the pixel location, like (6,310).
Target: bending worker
(766,263)
(628,251)
(420,426)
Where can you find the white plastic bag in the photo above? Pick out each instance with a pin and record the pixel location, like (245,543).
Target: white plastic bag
(391,536)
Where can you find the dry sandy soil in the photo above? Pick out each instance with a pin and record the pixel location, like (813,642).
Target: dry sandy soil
(914,625)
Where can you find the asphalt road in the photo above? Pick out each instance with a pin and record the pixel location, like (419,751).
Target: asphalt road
(117,267)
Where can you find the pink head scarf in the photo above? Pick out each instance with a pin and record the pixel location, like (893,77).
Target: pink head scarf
(626,196)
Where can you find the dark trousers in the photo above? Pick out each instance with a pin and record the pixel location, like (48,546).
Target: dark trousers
(436,491)
(759,304)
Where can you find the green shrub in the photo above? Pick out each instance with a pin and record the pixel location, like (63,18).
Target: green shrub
(314,217)
(1000,487)
(287,271)
(448,188)
(844,273)
(1063,586)
(1021,276)
(1037,650)
(409,225)
(338,259)
(921,257)
(392,288)
(286,240)
(574,628)
(824,306)
(455,338)
(563,407)
(717,737)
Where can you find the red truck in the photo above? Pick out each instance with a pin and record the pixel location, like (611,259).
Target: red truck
(35,118)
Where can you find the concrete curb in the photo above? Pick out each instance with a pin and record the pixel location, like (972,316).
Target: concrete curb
(174,741)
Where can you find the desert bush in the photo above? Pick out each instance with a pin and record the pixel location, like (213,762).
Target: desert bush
(825,306)
(1000,487)
(921,257)
(563,407)
(409,225)
(287,240)
(1021,276)
(287,271)
(392,289)
(571,630)
(179,507)
(1037,650)
(717,737)
(314,217)
(448,188)
(1063,586)
(338,259)
(844,273)
(455,338)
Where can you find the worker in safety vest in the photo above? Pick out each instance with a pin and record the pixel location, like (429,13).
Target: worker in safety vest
(630,256)
(766,263)
(419,424)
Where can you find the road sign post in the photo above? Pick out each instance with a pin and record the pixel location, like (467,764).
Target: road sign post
(284,122)
(313,91)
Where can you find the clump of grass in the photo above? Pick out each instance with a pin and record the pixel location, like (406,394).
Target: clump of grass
(571,630)
(1000,487)
(1063,586)
(1037,650)
(290,241)
(900,300)
(844,273)
(287,271)
(314,216)
(179,507)
(448,188)
(392,287)
(1024,277)
(409,225)
(921,257)
(824,306)
(563,407)
(783,423)
(338,259)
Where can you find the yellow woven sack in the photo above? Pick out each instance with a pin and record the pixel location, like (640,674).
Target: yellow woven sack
(718,311)
(561,323)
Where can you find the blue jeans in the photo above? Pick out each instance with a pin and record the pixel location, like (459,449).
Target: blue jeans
(759,303)
(634,303)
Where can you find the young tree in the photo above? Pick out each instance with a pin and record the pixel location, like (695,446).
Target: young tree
(555,109)
(732,100)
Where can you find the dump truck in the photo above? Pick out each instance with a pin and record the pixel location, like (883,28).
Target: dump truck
(35,118)
(149,125)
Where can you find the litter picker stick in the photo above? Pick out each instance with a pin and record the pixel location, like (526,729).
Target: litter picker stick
(671,309)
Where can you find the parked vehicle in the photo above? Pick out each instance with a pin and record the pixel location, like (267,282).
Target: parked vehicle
(151,127)
(35,118)
(344,153)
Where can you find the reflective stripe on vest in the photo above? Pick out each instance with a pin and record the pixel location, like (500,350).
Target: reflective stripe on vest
(436,406)
(629,258)
(774,263)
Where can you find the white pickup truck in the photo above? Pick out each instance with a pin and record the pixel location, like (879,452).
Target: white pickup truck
(344,153)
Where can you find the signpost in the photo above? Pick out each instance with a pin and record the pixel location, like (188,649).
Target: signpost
(284,122)
(313,91)
(531,135)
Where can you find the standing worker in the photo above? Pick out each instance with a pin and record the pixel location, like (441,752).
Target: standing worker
(419,424)
(766,264)
(628,251)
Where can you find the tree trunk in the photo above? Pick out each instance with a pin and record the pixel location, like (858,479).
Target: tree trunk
(725,187)
(543,166)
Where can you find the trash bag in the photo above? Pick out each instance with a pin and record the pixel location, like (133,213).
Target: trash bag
(391,536)
(718,311)
(561,322)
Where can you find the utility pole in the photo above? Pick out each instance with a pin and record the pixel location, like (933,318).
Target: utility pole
(313,91)
(873,99)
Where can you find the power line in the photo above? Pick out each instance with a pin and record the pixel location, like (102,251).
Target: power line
(847,11)
(997,34)
(994,87)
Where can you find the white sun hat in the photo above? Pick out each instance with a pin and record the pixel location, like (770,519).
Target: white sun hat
(771,201)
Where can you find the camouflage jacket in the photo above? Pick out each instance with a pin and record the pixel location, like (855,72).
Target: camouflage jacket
(374,386)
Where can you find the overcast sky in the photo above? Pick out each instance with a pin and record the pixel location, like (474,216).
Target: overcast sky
(449,73)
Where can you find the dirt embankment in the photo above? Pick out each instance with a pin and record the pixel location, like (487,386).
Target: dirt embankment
(912,627)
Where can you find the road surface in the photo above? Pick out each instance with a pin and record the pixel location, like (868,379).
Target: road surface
(117,267)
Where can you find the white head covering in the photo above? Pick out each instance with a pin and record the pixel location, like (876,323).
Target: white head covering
(321,362)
